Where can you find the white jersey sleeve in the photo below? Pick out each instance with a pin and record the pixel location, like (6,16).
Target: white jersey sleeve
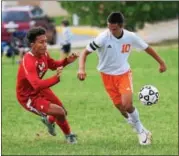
(96,43)
(138,43)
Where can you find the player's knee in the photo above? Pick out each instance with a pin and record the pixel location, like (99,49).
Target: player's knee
(61,115)
(61,112)
(129,108)
(56,111)
(123,107)
(119,106)
(127,105)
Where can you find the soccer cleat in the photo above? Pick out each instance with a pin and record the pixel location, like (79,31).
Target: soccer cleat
(71,138)
(145,137)
(50,126)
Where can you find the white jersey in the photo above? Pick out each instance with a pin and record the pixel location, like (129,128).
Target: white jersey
(67,35)
(113,53)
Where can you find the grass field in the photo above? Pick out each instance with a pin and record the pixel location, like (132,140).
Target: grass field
(100,128)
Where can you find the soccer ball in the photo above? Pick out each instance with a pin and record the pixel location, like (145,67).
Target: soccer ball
(148,95)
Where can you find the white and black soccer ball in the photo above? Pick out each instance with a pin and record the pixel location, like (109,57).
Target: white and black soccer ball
(148,95)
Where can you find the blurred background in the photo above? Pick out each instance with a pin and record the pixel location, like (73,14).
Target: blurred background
(149,19)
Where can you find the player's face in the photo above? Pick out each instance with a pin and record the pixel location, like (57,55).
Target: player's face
(115,29)
(40,45)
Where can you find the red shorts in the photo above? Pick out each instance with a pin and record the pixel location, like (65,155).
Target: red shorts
(40,103)
(116,85)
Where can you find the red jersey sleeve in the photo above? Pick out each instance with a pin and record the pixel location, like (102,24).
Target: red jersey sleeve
(31,75)
(53,65)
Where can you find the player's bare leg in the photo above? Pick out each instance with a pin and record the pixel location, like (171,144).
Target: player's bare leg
(125,114)
(59,113)
(50,118)
(143,134)
(121,109)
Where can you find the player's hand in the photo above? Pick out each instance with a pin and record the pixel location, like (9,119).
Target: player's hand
(71,58)
(163,67)
(81,75)
(59,71)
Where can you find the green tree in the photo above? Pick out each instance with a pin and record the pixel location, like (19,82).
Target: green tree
(136,13)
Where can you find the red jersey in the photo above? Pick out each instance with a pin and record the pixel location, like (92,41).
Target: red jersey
(30,73)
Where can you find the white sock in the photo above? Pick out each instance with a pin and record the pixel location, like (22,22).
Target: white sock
(134,116)
(128,120)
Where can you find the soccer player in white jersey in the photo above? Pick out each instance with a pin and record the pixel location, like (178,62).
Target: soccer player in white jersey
(114,47)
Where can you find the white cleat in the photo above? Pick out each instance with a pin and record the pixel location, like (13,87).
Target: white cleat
(145,138)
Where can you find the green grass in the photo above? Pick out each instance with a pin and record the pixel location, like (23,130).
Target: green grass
(100,128)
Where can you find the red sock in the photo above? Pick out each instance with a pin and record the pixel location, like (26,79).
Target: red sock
(51,118)
(64,126)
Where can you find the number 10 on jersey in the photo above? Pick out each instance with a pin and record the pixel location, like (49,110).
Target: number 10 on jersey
(125,48)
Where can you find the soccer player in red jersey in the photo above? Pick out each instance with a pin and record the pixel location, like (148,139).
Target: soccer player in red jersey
(34,93)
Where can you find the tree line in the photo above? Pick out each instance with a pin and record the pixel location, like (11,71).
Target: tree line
(136,13)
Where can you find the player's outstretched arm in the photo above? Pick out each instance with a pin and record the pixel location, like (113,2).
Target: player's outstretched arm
(161,62)
(53,64)
(81,65)
(72,57)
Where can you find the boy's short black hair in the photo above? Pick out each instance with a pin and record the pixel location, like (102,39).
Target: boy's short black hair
(65,22)
(115,18)
(33,33)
